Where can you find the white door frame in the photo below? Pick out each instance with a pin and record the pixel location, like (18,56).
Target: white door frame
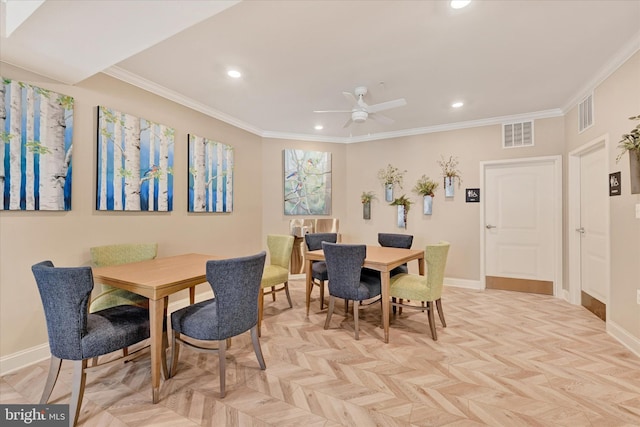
(573,238)
(556,208)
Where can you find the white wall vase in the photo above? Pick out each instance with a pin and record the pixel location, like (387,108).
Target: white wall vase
(427,205)
(388,192)
(449,186)
(402,217)
(366,210)
(634,171)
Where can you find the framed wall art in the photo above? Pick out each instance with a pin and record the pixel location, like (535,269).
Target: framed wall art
(135,163)
(210,175)
(36,126)
(307,182)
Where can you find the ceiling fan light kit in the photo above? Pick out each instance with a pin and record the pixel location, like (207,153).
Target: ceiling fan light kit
(361,111)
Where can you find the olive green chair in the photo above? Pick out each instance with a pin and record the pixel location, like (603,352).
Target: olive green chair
(276,272)
(426,289)
(103,256)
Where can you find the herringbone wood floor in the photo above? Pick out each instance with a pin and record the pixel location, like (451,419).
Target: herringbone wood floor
(505,359)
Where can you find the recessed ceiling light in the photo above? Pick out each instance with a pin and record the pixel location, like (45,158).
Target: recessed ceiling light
(234,74)
(459,4)
(318,127)
(457,104)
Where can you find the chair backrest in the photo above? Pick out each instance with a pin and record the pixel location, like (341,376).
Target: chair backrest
(280,246)
(435,256)
(102,256)
(236,284)
(395,240)
(344,266)
(314,240)
(65,294)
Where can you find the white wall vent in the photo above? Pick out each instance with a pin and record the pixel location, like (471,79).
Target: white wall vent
(517,134)
(585,113)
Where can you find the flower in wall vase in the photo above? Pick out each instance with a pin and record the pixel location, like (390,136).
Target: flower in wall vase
(366,210)
(427,205)
(634,171)
(388,192)
(402,217)
(449,186)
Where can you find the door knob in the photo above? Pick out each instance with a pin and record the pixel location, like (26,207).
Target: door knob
(489,226)
(580,230)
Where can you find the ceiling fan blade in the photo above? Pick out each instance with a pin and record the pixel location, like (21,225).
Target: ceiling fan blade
(332,111)
(383,120)
(346,125)
(350,97)
(386,105)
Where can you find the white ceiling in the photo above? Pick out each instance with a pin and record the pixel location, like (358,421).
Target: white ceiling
(505,59)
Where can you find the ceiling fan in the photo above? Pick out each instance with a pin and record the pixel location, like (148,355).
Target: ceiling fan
(361,111)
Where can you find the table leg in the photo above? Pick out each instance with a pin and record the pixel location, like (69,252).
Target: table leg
(385,278)
(421,265)
(156,317)
(192,295)
(307,270)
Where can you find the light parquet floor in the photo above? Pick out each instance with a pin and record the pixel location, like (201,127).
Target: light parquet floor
(505,359)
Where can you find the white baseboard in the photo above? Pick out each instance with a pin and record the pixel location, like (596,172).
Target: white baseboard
(464,283)
(624,337)
(24,358)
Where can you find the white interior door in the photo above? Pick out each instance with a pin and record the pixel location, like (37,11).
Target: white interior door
(593,227)
(521,220)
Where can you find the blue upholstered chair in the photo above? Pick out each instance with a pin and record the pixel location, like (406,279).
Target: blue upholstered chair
(76,335)
(392,240)
(426,289)
(346,281)
(319,268)
(233,310)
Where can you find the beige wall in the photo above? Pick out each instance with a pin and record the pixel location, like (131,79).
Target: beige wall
(65,237)
(616,99)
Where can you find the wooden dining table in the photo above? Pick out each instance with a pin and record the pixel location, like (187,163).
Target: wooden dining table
(157,279)
(379,258)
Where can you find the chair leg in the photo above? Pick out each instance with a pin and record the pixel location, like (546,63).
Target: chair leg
(400,308)
(356,310)
(432,321)
(346,306)
(273,293)
(321,294)
(260,309)
(54,371)
(175,352)
(125,352)
(286,291)
(394,308)
(256,348)
(77,390)
(163,355)
(332,303)
(222,348)
(440,312)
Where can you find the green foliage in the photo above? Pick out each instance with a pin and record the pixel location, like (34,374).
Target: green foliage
(425,186)
(402,201)
(37,147)
(66,102)
(5,137)
(450,167)
(630,141)
(367,196)
(391,175)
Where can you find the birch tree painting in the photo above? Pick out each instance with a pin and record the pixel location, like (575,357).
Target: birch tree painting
(36,126)
(307,182)
(210,175)
(135,163)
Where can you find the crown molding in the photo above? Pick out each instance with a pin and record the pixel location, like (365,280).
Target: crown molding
(149,86)
(622,56)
